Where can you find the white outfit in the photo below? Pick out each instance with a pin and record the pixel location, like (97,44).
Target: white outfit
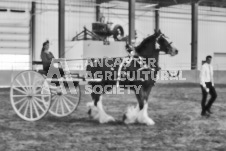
(206,74)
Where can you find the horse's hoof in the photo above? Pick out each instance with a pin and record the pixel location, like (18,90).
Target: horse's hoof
(89,104)
(89,112)
(150,122)
(107,119)
(124,117)
(126,120)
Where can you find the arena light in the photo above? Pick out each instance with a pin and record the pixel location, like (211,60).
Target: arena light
(150,5)
(106,5)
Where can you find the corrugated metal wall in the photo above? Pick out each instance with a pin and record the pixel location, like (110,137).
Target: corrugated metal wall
(212,31)
(14,34)
(78,14)
(175,22)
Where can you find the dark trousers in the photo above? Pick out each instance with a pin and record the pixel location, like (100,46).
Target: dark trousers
(212,91)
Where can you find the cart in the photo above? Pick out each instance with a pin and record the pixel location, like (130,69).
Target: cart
(33,94)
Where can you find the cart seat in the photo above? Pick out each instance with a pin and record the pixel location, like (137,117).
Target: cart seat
(43,72)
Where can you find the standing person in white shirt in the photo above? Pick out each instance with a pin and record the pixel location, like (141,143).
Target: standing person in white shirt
(207,86)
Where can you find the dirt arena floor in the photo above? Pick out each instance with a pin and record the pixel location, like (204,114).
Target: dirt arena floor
(174,107)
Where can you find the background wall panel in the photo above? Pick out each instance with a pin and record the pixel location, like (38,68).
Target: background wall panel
(175,22)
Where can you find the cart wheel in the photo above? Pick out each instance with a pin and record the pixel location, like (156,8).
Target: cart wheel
(30,95)
(65,101)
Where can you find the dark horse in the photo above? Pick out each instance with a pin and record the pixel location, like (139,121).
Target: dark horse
(128,72)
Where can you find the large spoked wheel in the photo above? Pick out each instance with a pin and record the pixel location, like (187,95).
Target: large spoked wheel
(30,95)
(65,100)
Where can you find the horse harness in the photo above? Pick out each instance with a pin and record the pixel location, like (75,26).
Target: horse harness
(126,62)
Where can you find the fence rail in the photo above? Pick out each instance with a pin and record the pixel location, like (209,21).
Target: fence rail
(25,65)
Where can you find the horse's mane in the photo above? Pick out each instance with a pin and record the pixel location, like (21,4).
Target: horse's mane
(143,43)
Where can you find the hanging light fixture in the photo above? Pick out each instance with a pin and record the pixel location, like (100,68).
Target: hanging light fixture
(150,5)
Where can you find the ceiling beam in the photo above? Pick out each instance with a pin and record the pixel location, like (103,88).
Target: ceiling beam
(161,3)
(166,3)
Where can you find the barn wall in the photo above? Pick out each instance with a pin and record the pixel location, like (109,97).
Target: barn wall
(175,22)
(15,35)
(212,33)
(188,76)
(78,14)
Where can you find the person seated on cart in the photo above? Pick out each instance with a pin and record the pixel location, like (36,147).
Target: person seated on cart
(47,57)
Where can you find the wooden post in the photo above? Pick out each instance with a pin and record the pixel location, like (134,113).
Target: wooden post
(156,20)
(32,34)
(194,46)
(98,2)
(131,20)
(61,35)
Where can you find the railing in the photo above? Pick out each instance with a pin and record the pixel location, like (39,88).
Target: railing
(79,65)
(14,66)
(187,66)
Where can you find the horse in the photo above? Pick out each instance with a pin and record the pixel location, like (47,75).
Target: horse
(145,60)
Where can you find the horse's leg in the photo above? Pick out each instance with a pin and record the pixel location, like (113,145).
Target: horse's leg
(142,98)
(132,111)
(131,114)
(93,111)
(97,111)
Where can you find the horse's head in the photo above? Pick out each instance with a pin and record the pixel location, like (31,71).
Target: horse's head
(165,44)
(148,47)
